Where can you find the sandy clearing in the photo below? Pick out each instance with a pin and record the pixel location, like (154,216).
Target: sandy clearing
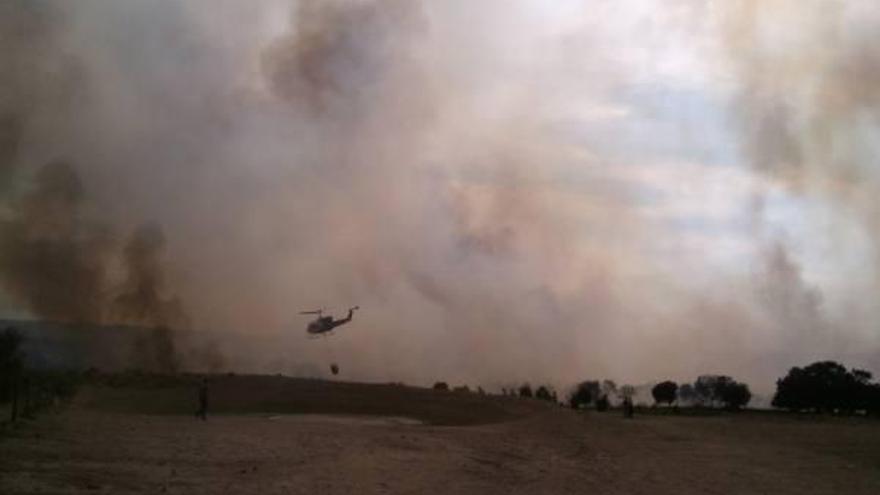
(555,451)
(280,435)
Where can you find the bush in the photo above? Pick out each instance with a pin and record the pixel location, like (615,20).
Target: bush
(441,386)
(462,389)
(525,390)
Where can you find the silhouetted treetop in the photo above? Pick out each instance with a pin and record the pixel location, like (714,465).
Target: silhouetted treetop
(714,390)
(583,394)
(665,392)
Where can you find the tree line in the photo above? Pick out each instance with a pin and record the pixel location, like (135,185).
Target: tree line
(821,387)
(718,391)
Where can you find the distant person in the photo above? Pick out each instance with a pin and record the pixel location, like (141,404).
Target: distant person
(203,400)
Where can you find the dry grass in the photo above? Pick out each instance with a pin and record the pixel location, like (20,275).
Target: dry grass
(243,394)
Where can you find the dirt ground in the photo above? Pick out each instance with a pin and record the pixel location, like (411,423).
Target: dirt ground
(97,446)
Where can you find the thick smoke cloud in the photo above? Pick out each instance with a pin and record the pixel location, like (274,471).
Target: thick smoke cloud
(141,300)
(806,104)
(447,166)
(60,257)
(58,263)
(51,259)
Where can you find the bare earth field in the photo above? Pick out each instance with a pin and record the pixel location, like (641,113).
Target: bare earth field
(277,435)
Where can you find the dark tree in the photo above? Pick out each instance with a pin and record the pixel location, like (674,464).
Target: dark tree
(441,386)
(872,399)
(544,393)
(735,395)
(11,363)
(584,394)
(665,392)
(525,390)
(713,390)
(826,386)
(859,391)
(705,389)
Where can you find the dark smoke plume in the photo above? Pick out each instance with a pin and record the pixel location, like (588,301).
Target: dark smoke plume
(142,301)
(51,257)
(59,257)
(807,107)
(57,262)
(342,54)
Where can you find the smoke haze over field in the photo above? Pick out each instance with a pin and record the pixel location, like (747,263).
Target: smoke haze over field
(510,190)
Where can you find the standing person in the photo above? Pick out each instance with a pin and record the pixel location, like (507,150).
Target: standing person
(628,408)
(14,379)
(27,409)
(203,400)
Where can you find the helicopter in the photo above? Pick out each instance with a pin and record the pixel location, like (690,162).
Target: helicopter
(324,325)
